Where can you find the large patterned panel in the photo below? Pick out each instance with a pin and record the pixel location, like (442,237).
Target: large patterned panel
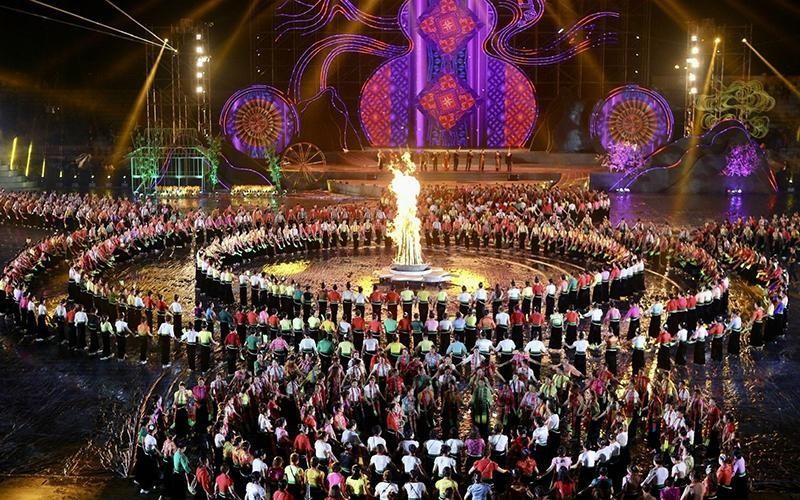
(511,107)
(521,108)
(384,104)
(448,25)
(446,100)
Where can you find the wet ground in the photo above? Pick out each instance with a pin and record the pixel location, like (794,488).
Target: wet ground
(61,413)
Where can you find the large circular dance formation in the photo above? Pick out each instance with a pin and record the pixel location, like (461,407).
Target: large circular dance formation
(399,250)
(566,354)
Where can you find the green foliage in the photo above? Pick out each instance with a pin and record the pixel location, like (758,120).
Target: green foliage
(274,169)
(212,153)
(145,157)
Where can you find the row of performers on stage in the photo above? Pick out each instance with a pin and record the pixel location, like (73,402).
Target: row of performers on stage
(433,159)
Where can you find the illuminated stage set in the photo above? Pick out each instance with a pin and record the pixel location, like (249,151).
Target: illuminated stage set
(455,76)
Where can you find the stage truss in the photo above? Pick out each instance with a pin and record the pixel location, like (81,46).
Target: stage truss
(168,157)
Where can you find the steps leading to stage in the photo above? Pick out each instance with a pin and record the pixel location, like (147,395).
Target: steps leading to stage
(13,180)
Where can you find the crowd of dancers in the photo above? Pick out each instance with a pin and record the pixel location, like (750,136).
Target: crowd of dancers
(528,388)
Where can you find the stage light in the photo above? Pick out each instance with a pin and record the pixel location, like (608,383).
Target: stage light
(198,36)
(28,160)
(694,38)
(200,62)
(199,89)
(199,49)
(744,40)
(695,50)
(718,40)
(60,174)
(130,121)
(199,74)
(13,154)
(677,66)
(560,31)
(692,77)
(43,166)
(693,90)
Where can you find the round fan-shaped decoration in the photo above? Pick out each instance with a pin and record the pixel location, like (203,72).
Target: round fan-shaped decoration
(632,115)
(259,118)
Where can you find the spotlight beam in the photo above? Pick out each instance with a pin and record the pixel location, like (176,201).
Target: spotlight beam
(772,68)
(74,25)
(130,122)
(170,47)
(92,21)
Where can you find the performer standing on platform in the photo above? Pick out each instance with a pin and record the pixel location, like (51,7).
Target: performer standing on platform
(508,160)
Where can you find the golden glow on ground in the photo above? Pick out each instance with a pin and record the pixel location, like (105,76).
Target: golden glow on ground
(287,269)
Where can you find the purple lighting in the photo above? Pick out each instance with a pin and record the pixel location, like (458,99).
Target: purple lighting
(623,157)
(742,160)
(635,115)
(258,118)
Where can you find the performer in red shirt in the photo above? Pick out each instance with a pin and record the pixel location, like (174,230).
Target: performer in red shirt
(517,321)
(376,300)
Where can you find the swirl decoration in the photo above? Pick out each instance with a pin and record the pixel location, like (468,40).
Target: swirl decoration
(632,115)
(582,36)
(744,101)
(257,119)
(432,20)
(319,14)
(336,46)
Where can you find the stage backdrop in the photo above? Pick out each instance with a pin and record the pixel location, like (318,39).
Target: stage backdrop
(447,90)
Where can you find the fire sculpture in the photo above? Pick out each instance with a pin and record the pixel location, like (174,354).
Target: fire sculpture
(406,226)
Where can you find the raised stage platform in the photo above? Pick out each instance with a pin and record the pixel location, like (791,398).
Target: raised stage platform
(357,173)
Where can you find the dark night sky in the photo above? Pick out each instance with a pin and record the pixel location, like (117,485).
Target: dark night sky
(42,54)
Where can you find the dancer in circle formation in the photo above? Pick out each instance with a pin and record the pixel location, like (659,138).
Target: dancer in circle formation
(326,390)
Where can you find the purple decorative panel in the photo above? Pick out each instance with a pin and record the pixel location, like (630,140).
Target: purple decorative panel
(258,118)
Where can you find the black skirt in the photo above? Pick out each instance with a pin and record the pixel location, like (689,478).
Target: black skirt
(655,326)
(637,362)
(580,362)
(664,359)
(680,354)
(700,352)
(555,338)
(716,348)
(735,342)
(611,360)
(757,334)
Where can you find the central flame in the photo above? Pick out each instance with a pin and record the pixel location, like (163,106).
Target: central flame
(406,227)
